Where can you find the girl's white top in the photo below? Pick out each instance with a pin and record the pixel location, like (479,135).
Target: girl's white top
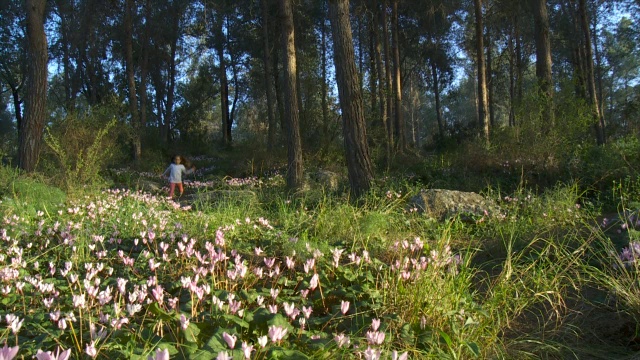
(175,172)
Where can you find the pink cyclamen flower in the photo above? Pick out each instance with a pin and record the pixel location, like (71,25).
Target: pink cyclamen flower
(91,349)
(314,282)
(262,341)
(403,356)
(247,350)
(184,322)
(50,356)
(375,337)
(342,340)
(160,355)
(229,339)
(375,324)
(344,307)
(8,353)
(372,354)
(223,355)
(277,333)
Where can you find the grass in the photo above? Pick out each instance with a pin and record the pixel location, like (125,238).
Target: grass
(510,286)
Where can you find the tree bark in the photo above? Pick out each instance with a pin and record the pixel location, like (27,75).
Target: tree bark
(131,79)
(354,128)
(171,86)
(483,111)
(291,111)
(387,71)
(144,64)
(30,140)
(436,93)
(224,84)
(543,60)
(590,77)
(266,59)
(399,126)
(382,83)
(324,88)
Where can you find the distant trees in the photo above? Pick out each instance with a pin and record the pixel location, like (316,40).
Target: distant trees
(209,71)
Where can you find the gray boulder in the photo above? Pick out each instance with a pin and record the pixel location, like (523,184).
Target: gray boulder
(443,204)
(149,186)
(326,179)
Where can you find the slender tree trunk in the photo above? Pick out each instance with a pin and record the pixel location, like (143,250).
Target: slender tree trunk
(543,60)
(354,128)
(373,71)
(598,67)
(512,80)
(131,79)
(382,83)
(323,87)
(224,84)
(387,70)
(171,87)
(30,140)
(295,166)
(17,108)
(590,77)
(266,59)
(436,93)
(278,87)
(492,115)
(397,84)
(483,110)
(144,66)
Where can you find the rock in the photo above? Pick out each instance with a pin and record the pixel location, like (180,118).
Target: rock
(444,204)
(326,179)
(149,186)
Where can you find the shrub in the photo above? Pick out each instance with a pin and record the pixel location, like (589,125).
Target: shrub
(82,147)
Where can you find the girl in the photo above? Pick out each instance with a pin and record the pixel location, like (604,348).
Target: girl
(175,171)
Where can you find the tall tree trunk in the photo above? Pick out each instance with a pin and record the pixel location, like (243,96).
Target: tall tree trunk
(590,77)
(382,84)
(144,64)
(30,140)
(598,66)
(436,93)
(131,79)
(171,88)
(373,71)
(543,60)
(17,108)
(492,115)
(387,70)
(354,128)
(323,87)
(512,80)
(483,110)
(277,84)
(266,59)
(224,84)
(294,144)
(399,125)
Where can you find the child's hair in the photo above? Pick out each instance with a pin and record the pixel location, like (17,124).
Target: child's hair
(185,162)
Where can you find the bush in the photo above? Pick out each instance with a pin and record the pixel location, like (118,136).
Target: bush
(78,149)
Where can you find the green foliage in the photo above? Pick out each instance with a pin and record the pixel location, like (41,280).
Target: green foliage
(82,150)
(27,194)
